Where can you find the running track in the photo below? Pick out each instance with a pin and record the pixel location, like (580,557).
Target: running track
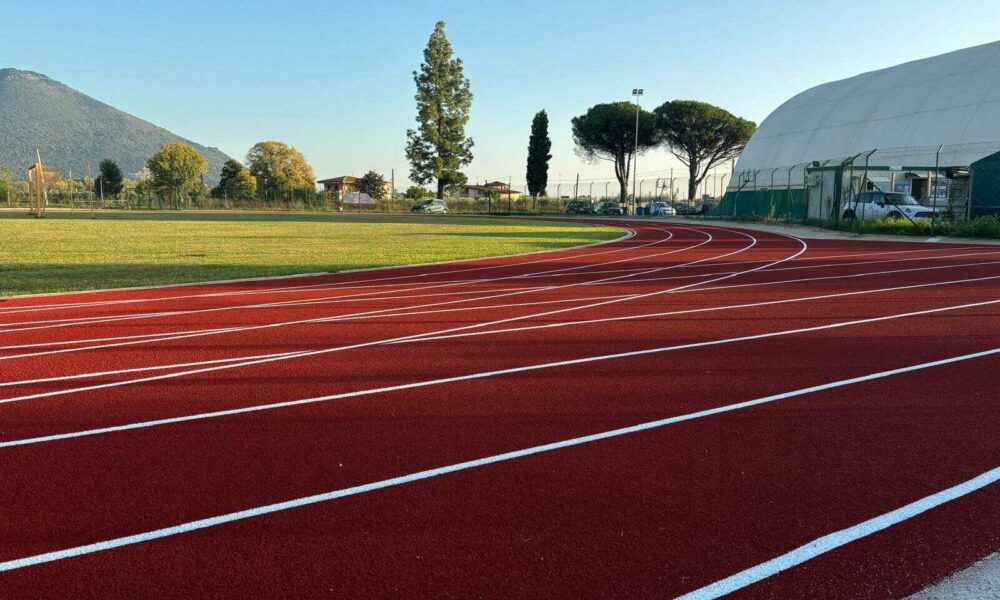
(686,410)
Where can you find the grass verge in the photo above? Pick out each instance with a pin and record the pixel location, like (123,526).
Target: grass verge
(66,252)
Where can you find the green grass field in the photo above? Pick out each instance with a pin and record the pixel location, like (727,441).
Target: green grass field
(74,252)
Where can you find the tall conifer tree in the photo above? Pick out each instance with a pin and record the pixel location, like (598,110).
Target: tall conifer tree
(438,148)
(539,146)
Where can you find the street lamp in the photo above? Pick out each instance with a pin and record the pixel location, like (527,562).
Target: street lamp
(635,155)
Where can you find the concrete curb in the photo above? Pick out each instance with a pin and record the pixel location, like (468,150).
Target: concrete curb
(977,581)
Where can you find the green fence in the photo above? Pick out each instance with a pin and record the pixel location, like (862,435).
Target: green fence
(775,203)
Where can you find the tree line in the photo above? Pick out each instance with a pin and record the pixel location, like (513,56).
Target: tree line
(699,134)
(175,175)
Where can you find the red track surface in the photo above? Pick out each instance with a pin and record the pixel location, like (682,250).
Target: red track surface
(652,513)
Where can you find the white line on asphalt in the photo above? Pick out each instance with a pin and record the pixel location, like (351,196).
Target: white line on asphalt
(253,359)
(20,326)
(629,233)
(840,538)
(259,511)
(458,378)
(688,311)
(306,353)
(379,312)
(349,285)
(157,337)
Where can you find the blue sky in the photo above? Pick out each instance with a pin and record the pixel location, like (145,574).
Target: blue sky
(334,78)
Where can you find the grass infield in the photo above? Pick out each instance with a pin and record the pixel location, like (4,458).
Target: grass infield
(65,252)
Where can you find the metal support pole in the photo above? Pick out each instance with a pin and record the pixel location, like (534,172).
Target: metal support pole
(635,155)
(773,208)
(788,195)
(937,165)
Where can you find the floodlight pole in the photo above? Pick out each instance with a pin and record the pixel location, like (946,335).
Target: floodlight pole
(635,155)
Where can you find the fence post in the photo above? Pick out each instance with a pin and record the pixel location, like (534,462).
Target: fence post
(934,184)
(864,177)
(773,208)
(788,195)
(736,196)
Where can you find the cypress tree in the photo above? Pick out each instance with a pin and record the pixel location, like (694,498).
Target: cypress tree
(539,145)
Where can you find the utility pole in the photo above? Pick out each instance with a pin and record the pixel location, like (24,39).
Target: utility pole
(392,192)
(635,155)
(90,192)
(576,188)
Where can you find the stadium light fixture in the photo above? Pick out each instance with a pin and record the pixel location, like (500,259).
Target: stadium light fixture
(635,154)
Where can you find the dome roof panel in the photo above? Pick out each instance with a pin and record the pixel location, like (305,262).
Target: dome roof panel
(984,126)
(926,102)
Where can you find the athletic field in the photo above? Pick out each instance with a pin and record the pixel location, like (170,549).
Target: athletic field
(67,251)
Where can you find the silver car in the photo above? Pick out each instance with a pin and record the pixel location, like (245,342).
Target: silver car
(887,205)
(430,206)
(661,209)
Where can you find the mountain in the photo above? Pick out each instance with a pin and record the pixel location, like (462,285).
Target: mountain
(73,130)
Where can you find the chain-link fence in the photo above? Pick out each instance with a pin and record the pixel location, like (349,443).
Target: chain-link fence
(952,182)
(665,186)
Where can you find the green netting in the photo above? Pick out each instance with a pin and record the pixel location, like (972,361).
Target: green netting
(985,186)
(778,203)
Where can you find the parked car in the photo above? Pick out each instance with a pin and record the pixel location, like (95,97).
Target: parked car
(887,205)
(608,208)
(579,207)
(430,206)
(708,207)
(683,208)
(661,209)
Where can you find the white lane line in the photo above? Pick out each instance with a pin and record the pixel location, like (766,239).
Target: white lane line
(431,336)
(309,302)
(350,284)
(980,249)
(306,353)
(250,358)
(21,326)
(250,513)
(395,309)
(154,337)
(380,312)
(688,311)
(460,378)
(354,298)
(863,263)
(167,336)
(628,234)
(840,538)
(164,367)
(831,266)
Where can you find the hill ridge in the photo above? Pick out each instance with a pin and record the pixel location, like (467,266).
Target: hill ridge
(74,130)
